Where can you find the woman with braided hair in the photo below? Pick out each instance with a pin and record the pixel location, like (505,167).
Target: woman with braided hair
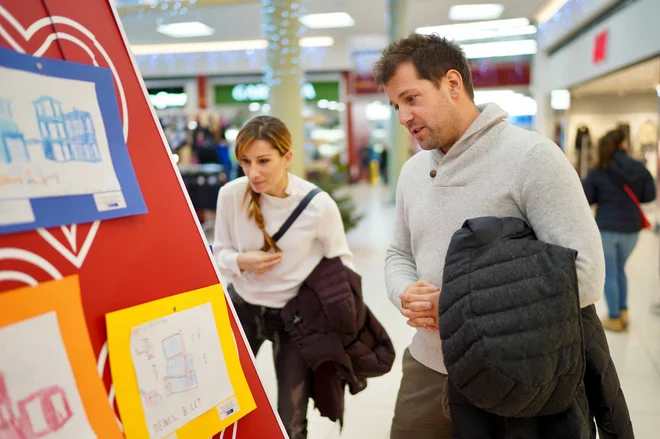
(265,274)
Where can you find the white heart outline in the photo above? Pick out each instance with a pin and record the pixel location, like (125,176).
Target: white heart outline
(71,235)
(33,258)
(76,259)
(46,21)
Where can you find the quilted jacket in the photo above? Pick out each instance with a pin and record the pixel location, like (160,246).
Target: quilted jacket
(523,360)
(337,335)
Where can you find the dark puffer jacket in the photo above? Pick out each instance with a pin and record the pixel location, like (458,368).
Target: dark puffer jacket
(523,360)
(337,335)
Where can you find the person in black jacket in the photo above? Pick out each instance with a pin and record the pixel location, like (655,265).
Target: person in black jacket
(618,216)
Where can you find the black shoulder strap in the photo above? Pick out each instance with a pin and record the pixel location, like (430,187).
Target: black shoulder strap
(296,213)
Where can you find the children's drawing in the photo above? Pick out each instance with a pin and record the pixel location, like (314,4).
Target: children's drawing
(53,138)
(180,369)
(181,375)
(151,397)
(38,393)
(61,143)
(144,348)
(12,143)
(39,414)
(66,137)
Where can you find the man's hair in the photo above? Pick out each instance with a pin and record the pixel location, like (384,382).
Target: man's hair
(432,55)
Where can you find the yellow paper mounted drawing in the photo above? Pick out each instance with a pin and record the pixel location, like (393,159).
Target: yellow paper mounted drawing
(175,367)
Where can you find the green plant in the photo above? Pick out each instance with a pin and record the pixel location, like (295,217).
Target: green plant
(333,181)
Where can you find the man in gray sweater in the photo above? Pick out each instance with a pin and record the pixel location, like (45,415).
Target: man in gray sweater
(474,164)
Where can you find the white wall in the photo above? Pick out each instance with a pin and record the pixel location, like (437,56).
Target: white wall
(634,35)
(602,113)
(569,19)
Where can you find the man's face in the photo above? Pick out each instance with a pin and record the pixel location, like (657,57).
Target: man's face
(425,109)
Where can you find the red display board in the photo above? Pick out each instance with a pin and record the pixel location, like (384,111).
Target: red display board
(127,261)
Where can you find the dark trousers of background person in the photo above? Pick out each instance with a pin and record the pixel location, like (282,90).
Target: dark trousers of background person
(617,247)
(294,377)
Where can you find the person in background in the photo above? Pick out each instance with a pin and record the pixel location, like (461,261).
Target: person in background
(364,153)
(383,164)
(263,274)
(223,149)
(204,146)
(619,216)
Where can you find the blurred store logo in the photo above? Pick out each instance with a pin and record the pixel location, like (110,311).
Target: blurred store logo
(164,99)
(600,47)
(485,73)
(260,92)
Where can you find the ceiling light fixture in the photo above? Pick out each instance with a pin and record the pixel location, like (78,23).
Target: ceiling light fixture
(499,48)
(475,12)
(316,42)
(185,30)
(220,46)
(466,28)
(326,21)
(456,33)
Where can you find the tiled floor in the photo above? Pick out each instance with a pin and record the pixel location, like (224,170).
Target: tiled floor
(368,414)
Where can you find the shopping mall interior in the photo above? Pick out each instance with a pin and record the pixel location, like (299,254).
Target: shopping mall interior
(571,70)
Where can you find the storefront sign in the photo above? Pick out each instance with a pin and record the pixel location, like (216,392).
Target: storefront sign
(259,92)
(484,74)
(490,74)
(164,99)
(365,83)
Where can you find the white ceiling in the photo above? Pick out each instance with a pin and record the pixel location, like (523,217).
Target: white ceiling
(242,21)
(643,77)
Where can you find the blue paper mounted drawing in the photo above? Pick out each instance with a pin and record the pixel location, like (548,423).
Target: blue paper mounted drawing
(63,159)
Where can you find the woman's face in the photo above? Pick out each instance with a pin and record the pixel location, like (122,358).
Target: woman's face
(624,145)
(265,168)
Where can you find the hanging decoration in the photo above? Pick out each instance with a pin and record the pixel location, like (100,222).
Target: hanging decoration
(282,28)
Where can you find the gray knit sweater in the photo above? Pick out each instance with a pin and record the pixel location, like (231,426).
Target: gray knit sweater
(499,170)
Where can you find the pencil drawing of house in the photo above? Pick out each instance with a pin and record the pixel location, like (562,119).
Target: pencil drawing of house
(12,143)
(181,376)
(66,137)
(82,136)
(52,129)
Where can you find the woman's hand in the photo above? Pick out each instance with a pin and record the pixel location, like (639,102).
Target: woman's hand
(258,262)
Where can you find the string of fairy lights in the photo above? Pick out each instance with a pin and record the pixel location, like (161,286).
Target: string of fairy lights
(281,26)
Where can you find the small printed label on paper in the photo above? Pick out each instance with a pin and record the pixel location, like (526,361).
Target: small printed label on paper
(110,201)
(228,408)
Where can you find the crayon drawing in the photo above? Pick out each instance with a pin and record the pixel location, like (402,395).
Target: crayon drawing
(39,397)
(180,369)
